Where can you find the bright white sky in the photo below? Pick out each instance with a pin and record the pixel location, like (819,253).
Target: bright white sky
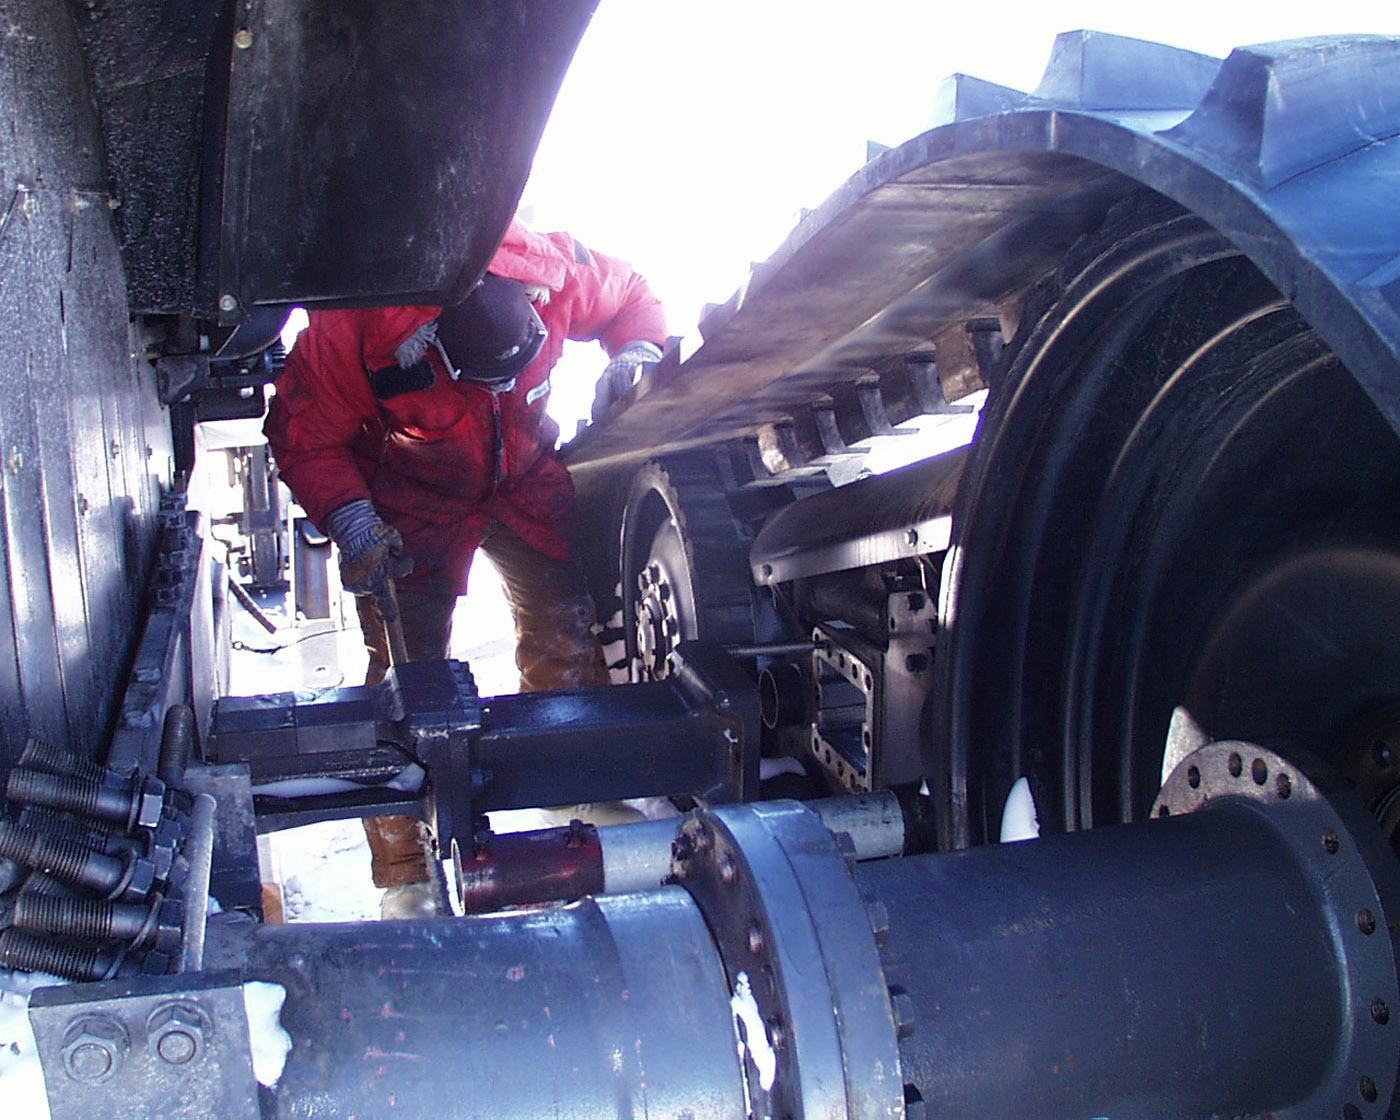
(689,133)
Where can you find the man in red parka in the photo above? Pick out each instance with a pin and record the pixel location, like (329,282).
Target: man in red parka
(415,435)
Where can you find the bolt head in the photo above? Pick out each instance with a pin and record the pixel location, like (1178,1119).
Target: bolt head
(228,303)
(175,1033)
(879,921)
(756,943)
(94,1048)
(902,1009)
(728,873)
(243,39)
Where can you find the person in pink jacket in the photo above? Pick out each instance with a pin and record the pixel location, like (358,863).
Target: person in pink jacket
(413,436)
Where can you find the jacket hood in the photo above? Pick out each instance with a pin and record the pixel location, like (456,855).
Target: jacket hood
(530,257)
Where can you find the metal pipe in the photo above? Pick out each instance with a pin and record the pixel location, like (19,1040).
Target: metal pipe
(614,1007)
(251,606)
(1183,967)
(560,864)
(199,851)
(771,649)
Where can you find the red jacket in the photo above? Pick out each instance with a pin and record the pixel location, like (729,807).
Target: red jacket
(427,459)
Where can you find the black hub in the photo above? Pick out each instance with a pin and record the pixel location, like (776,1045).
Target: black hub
(684,568)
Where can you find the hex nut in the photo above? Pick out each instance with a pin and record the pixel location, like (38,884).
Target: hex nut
(141,880)
(879,915)
(94,1047)
(149,806)
(175,1033)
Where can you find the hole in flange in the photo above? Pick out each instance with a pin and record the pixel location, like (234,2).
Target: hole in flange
(1193,777)
(1236,764)
(1350,1112)
(1331,843)
(1366,921)
(1259,771)
(1284,785)
(1164,810)
(1368,1090)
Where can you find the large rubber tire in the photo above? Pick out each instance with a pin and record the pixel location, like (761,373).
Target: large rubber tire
(1181,512)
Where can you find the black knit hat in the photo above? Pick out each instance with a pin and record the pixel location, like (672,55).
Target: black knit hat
(494,333)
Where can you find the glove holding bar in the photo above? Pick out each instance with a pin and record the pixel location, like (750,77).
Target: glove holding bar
(371,553)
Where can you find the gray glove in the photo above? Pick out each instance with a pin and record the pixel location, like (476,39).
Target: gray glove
(620,374)
(371,552)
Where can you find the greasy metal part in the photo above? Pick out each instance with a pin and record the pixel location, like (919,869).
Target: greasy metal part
(199,851)
(186,1048)
(846,707)
(1126,962)
(235,877)
(132,803)
(904,514)
(695,732)
(596,1009)
(769,649)
(175,659)
(553,748)
(176,744)
(515,868)
(778,896)
(562,864)
(262,521)
(870,697)
(41,755)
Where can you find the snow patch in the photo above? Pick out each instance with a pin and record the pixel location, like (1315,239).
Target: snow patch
(269,1039)
(753,1037)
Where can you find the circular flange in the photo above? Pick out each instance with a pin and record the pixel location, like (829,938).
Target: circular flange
(801,958)
(1339,847)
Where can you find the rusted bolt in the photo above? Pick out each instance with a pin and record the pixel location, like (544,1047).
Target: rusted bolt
(94,1047)
(879,915)
(728,873)
(757,945)
(902,1010)
(1331,842)
(1366,921)
(1380,1011)
(175,1033)
(777,1033)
